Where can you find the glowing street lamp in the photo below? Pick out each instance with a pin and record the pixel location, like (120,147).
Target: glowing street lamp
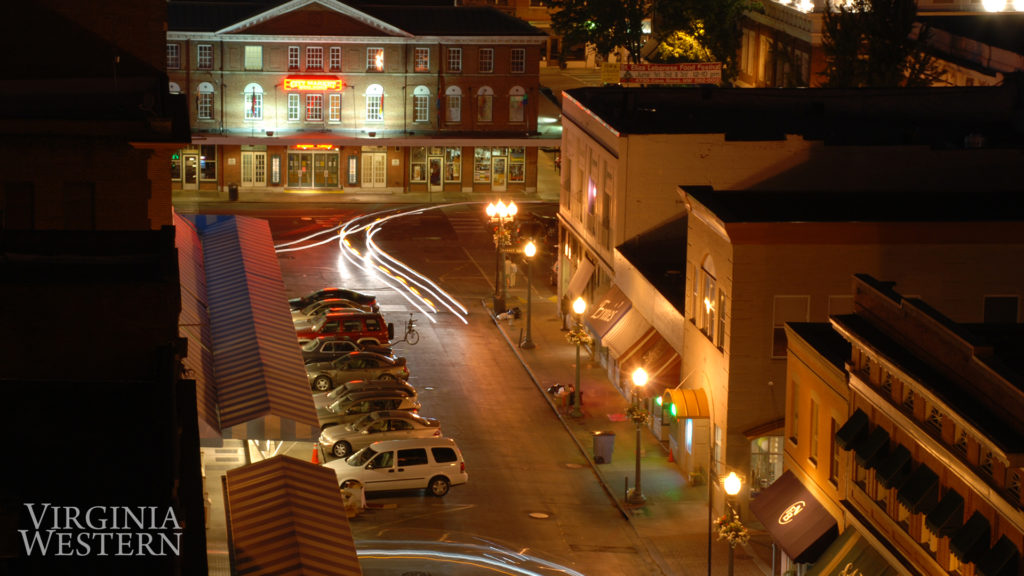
(736,533)
(639,415)
(529,251)
(501,214)
(579,306)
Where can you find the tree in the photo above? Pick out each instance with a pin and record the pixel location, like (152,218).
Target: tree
(871,43)
(606,24)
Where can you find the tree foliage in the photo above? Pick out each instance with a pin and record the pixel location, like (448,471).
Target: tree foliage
(607,24)
(870,43)
(713,25)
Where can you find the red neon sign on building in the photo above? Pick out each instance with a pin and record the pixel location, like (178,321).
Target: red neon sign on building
(319,84)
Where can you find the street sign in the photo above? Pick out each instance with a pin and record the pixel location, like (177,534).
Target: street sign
(684,73)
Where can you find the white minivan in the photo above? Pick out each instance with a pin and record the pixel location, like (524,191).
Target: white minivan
(434,464)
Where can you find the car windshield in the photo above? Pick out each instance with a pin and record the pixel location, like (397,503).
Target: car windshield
(364,422)
(310,346)
(362,457)
(318,323)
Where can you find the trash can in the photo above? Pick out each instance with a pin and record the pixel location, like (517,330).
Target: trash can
(604,443)
(232,191)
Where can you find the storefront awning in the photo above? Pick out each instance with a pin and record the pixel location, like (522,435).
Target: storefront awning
(580,278)
(970,541)
(869,451)
(286,516)
(1002,560)
(948,516)
(262,388)
(625,333)
(684,404)
(795,519)
(921,491)
(608,310)
(894,469)
(855,428)
(655,355)
(851,553)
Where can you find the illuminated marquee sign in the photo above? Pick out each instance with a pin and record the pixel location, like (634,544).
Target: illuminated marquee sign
(314,146)
(317,84)
(790,514)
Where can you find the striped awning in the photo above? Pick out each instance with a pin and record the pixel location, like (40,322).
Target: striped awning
(286,516)
(655,355)
(580,277)
(262,389)
(625,333)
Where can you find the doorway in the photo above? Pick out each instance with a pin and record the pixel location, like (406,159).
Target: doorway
(254,169)
(374,169)
(435,164)
(190,177)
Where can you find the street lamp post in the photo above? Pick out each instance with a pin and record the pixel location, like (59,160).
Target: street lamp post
(501,214)
(579,306)
(639,415)
(732,485)
(529,251)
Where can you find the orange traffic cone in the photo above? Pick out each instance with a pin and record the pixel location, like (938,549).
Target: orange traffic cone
(671,458)
(316,455)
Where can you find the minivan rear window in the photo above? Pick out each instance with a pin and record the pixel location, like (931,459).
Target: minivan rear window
(444,455)
(412,457)
(372,324)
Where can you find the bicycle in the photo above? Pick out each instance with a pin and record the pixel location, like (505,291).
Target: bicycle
(412,335)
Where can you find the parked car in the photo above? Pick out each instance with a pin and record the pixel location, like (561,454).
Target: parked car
(434,464)
(355,366)
(324,399)
(325,293)
(367,328)
(305,316)
(343,439)
(327,348)
(356,405)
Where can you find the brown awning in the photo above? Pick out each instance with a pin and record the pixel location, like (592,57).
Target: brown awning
(655,355)
(851,553)
(801,526)
(286,516)
(608,310)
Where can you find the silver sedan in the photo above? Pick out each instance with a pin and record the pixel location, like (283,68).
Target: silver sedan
(344,439)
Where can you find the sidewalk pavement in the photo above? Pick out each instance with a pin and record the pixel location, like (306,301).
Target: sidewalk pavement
(673,523)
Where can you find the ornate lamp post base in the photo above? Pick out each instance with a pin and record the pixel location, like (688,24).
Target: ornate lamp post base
(635,497)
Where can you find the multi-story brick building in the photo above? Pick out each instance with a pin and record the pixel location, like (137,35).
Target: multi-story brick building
(320,95)
(906,427)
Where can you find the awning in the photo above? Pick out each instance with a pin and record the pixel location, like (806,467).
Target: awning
(851,553)
(869,451)
(970,541)
(894,469)
(286,516)
(948,516)
(655,355)
(608,310)
(684,404)
(580,278)
(853,430)
(921,491)
(262,388)
(1002,560)
(625,333)
(801,526)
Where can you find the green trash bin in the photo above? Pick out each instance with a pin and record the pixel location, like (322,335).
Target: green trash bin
(604,444)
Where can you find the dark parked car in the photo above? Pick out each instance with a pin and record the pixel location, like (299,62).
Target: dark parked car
(343,293)
(355,366)
(325,349)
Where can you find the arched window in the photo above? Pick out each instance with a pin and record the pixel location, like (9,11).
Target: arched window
(517,104)
(252,101)
(375,103)
(173,88)
(453,94)
(421,104)
(204,101)
(485,104)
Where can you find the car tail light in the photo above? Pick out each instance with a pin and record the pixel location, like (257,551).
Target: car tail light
(462,467)
(437,433)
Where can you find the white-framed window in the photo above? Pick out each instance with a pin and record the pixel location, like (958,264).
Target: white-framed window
(455,59)
(293,107)
(334,107)
(487,60)
(518,63)
(787,309)
(485,104)
(813,455)
(314,107)
(374,59)
(421,104)
(335,56)
(173,88)
(173,56)
(204,56)
(708,299)
(253,58)
(422,62)
(314,57)
(453,97)
(252,102)
(293,57)
(517,104)
(204,101)
(374,103)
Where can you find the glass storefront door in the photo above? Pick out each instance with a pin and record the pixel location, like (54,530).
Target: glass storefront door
(374,169)
(313,170)
(190,176)
(254,169)
(435,163)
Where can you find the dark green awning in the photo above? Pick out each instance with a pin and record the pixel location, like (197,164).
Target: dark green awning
(971,541)
(948,516)
(851,553)
(921,491)
(853,430)
(894,469)
(1002,560)
(870,450)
